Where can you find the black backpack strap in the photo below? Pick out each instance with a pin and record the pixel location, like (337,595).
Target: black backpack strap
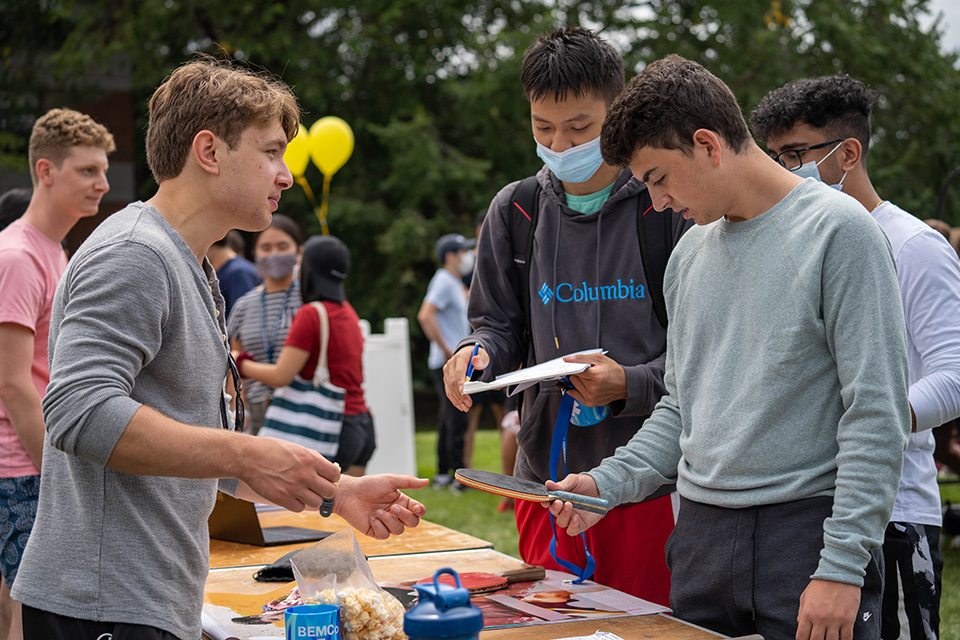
(522,218)
(656,243)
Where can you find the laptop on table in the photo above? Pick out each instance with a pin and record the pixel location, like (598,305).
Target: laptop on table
(236,520)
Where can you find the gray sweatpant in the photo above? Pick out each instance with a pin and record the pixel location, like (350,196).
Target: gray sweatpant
(741,571)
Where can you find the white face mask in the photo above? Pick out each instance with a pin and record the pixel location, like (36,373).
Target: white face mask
(576,164)
(466,263)
(811,170)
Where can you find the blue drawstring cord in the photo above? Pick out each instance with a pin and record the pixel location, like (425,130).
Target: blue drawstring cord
(558,449)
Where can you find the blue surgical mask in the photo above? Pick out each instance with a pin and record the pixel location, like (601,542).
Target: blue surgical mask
(811,170)
(576,164)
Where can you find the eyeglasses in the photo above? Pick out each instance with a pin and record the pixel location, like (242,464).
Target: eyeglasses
(238,386)
(791,158)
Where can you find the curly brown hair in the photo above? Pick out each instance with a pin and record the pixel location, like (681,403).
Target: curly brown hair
(840,105)
(206,94)
(59,130)
(664,105)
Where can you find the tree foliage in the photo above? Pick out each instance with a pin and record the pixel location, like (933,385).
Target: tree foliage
(431,89)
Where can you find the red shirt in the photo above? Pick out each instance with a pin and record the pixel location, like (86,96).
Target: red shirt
(344,349)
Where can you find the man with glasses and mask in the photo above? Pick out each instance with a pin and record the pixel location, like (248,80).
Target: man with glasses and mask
(138,437)
(820,128)
(588,276)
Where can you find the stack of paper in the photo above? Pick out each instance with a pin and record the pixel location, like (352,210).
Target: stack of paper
(523,378)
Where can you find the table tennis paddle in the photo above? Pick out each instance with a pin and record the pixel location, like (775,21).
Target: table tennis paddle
(526,490)
(476,582)
(527,573)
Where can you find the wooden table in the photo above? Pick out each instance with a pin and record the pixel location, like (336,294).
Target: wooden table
(239,580)
(235,590)
(425,538)
(658,627)
(417,553)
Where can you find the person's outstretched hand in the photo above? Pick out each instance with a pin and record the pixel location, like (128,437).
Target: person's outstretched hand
(375,506)
(574,521)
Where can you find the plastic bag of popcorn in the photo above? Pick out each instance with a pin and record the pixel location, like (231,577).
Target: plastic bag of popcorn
(335,571)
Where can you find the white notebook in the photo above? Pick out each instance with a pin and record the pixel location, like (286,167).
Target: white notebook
(524,378)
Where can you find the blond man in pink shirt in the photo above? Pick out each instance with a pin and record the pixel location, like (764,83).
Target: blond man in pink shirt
(68,166)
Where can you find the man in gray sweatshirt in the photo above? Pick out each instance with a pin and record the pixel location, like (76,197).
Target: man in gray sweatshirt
(139,434)
(786,411)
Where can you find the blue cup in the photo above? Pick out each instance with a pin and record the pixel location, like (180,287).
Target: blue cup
(313,622)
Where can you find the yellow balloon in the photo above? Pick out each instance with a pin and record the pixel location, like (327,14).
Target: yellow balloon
(331,143)
(297,155)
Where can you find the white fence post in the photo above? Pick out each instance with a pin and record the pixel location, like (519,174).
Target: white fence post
(388,387)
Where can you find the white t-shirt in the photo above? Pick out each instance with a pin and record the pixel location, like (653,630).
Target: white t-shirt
(929,275)
(447,293)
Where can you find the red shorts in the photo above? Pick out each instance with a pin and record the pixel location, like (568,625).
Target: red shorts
(627,544)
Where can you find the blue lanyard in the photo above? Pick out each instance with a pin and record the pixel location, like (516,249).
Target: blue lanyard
(558,448)
(268,338)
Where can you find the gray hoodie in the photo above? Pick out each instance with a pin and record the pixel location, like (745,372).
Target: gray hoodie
(588,289)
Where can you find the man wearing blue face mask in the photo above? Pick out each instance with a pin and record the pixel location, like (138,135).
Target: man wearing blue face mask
(588,276)
(820,128)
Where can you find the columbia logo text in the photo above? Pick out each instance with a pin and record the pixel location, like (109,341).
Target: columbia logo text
(582,292)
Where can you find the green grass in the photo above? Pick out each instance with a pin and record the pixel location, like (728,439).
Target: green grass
(950,600)
(475,512)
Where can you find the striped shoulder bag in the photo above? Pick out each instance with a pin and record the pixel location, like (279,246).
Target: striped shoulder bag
(309,413)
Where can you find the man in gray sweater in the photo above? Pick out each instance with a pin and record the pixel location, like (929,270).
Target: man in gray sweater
(139,433)
(786,411)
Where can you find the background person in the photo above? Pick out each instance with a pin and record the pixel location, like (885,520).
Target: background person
(443,318)
(236,274)
(324,268)
(68,166)
(261,317)
(13,204)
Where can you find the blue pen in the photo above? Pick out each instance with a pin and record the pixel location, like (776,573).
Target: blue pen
(476,350)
